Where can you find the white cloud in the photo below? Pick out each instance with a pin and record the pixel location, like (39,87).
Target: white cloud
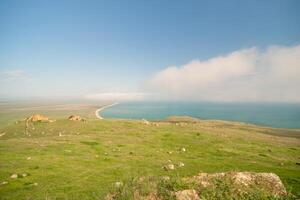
(244,75)
(13,74)
(118,96)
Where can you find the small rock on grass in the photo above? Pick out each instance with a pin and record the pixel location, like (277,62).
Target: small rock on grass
(4,183)
(180,164)
(14,176)
(169,167)
(118,184)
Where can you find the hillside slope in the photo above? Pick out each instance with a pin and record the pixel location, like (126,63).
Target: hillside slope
(83,160)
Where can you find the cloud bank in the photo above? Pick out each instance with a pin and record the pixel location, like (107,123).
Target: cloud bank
(245,75)
(117,96)
(12,74)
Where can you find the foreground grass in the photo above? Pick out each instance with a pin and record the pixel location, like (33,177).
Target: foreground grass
(87,158)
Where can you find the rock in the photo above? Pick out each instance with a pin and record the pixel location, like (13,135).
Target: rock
(28,158)
(187,195)
(180,164)
(268,182)
(146,122)
(151,196)
(169,167)
(155,124)
(38,118)
(4,183)
(75,118)
(14,176)
(165,178)
(109,197)
(24,174)
(244,178)
(118,184)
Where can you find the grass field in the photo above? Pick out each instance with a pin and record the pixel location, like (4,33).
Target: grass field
(82,160)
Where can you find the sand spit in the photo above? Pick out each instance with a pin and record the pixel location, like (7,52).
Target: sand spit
(102,108)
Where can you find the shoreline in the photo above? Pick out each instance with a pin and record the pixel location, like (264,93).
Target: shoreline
(102,108)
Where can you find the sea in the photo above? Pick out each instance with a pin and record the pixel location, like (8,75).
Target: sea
(277,115)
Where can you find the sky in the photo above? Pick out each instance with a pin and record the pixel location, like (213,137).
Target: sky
(155,50)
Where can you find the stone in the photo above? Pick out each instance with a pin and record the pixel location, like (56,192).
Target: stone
(169,167)
(180,164)
(187,195)
(14,176)
(118,184)
(165,178)
(2,134)
(146,122)
(75,118)
(268,182)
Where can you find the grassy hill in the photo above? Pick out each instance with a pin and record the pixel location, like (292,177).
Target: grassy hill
(83,160)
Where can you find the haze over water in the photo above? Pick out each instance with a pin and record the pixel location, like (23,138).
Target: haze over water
(278,115)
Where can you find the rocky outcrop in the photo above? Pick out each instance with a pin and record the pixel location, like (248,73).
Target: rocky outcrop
(227,185)
(35,118)
(38,118)
(268,182)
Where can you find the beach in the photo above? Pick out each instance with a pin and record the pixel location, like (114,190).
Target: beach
(102,108)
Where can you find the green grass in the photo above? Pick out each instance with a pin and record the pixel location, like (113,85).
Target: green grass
(89,157)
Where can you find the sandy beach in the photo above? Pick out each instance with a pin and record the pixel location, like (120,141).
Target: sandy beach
(102,108)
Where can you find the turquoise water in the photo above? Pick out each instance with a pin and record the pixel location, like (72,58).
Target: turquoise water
(266,114)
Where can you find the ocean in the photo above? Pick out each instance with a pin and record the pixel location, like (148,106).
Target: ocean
(278,115)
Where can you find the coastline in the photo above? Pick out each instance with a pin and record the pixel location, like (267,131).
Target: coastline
(102,108)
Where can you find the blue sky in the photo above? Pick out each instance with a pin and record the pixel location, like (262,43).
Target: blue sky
(75,48)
